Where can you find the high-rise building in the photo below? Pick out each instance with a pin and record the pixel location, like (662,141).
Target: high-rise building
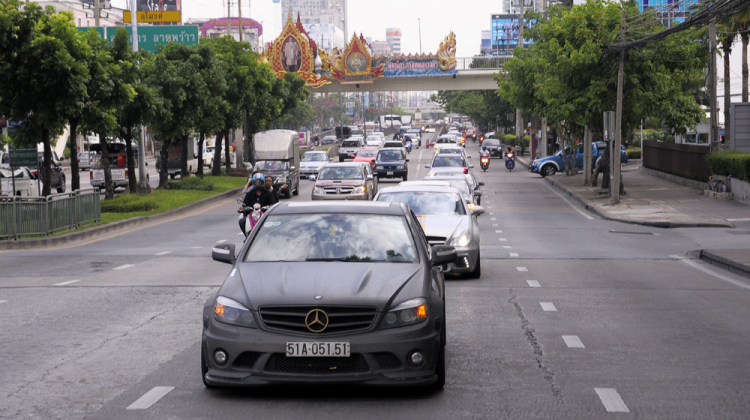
(381,48)
(513,7)
(393,36)
(486,45)
(668,11)
(332,12)
(327,36)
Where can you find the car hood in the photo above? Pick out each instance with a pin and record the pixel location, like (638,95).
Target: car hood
(391,163)
(443,226)
(546,159)
(342,183)
(337,283)
(312,164)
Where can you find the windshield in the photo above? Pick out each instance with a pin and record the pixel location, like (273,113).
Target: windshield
(448,160)
(451,150)
(271,165)
(350,143)
(367,153)
(446,140)
(315,157)
(390,156)
(427,202)
(340,172)
(491,142)
(334,237)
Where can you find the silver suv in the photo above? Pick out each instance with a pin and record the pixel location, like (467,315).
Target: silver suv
(349,149)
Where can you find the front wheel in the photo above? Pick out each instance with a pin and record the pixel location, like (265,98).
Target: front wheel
(61,188)
(548,170)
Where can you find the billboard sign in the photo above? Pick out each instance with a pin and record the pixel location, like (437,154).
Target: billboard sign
(151,36)
(416,68)
(144,16)
(505,33)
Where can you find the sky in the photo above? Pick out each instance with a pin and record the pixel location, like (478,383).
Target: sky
(466,18)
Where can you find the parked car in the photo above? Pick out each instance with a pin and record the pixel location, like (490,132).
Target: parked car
(57,176)
(344,181)
(446,220)
(25,183)
(380,318)
(391,163)
(550,165)
(312,162)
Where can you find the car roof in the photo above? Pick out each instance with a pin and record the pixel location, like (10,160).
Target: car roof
(419,188)
(339,206)
(436,182)
(398,149)
(342,164)
(446,170)
(316,151)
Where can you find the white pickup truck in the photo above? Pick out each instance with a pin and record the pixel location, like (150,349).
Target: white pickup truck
(25,182)
(118,166)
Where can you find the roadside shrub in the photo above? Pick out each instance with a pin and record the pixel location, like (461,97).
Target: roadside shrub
(511,139)
(657,135)
(192,183)
(634,153)
(129,203)
(732,163)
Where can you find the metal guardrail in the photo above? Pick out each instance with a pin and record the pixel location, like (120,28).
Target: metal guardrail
(482,63)
(23,216)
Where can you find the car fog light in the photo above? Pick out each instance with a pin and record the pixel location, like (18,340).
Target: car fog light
(220,357)
(466,261)
(416,358)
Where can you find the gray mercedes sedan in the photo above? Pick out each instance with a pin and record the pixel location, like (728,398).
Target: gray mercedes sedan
(329,292)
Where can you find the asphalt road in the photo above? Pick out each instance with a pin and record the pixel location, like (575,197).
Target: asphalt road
(574,317)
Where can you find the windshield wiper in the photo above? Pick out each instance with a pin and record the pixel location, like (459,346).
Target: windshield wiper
(347,259)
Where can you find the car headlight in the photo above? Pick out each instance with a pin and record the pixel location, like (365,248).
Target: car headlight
(359,190)
(378,167)
(461,240)
(319,190)
(400,167)
(535,163)
(231,312)
(407,313)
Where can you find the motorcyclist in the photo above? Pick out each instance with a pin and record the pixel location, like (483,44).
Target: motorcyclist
(256,194)
(484,152)
(269,187)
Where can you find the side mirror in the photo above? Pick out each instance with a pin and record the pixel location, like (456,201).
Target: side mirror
(223,253)
(477,193)
(477,210)
(442,254)
(407,160)
(481,183)
(312,177)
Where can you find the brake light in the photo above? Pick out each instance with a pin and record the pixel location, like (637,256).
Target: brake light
(466,170)
(126,173)
(91,174)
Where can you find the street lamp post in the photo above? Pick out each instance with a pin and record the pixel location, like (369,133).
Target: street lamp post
(420,35)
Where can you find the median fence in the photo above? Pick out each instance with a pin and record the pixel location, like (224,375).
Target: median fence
(23,216)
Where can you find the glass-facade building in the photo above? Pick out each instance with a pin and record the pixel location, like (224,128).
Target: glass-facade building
(668,10)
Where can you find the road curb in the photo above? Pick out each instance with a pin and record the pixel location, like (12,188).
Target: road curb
(724,263)
(21,244)
(665,225)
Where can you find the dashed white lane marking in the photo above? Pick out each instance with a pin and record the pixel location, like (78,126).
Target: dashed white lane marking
(507,247)
(150,398)
(567,201)
(522,269)
(3,301)
(221,241)
(498,231)
(548,306)
(573,342)
(492,214)
(493,218)
(612,401)
(65,283)
(711,272)
(514,254)
(495,225)
(197,247)
(122,267)
(240,233)
(533,283)
(502,239)
(163,253)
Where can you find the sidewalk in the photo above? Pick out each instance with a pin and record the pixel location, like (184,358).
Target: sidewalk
(652,201)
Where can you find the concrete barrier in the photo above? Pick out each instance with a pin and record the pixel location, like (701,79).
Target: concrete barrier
(741,190)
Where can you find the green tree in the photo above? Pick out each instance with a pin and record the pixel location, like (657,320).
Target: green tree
(42,71)
(741,23)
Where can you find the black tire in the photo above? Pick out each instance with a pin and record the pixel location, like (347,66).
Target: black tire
(296,190)
(172,176)
(440,367)
(341,159)
(61,188)
(403,178)
(204,369)
(548,170)
(477,273)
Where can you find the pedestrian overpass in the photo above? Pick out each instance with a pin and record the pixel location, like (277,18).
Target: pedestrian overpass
(474,73)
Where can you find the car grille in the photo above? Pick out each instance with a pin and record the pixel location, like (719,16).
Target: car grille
(340,318)
(338,190)
(387,360)
(246,360)
(436,240)
(317,365)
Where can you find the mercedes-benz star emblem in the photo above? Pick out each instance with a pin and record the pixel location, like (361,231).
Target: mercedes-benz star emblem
(316,320)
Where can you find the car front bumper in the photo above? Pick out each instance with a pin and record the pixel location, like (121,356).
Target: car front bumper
(257,357)
(357,196)
(307,171)
(347,155)
(394,173)
(466,260)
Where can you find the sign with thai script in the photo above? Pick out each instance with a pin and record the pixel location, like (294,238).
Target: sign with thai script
(151,36)
(158,16)
(416,68)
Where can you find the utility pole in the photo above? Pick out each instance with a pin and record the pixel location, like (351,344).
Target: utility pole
(420,35)
(96,12)
(615,151)
(587,156)
(239,12)
(142,175)
(229,17)
(519,116)
(713,137)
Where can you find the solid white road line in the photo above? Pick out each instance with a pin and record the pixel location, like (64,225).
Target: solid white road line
(495,225)
(150,398)
(492,214)
(533,283)
(548,306)
(522,269)
(221,241)
(567,201)
(65,283)
(573,341)
(122,267)
(493,218)
(611,400)
(502,239)
(507,246)
(514,254)
(711,272)
(163,253)
(746,219)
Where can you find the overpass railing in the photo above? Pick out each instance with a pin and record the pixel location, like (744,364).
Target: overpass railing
(23,216)
(481,63)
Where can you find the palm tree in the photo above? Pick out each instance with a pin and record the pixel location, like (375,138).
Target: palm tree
(741,23)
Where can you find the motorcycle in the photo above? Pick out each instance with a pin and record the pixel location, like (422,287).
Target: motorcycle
(408,147)
(252,214)
(485,163)
(510,161)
